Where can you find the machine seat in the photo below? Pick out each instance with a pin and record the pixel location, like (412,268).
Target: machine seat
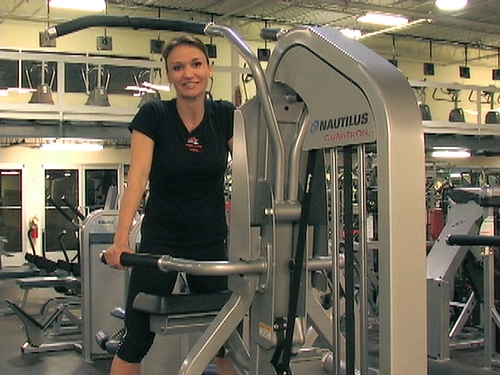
(177,304)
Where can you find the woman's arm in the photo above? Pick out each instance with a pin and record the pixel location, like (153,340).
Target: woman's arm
(137,179)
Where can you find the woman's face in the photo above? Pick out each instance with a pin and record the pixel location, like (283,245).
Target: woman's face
(188,71)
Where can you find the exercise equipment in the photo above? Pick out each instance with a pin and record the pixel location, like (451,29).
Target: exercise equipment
(57,315)
(102,288)
(447,316)
(486,245)
(457,113)
(294,118)
(425,110)
(493,115)
(97,90)
(64,276)
(46,75)
(52,313)
(36,331)
(487,97)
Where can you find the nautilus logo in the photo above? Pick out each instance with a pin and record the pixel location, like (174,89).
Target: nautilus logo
(339,122)
(314,126)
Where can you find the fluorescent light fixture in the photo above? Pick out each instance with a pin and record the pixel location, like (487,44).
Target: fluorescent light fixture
(140,89)
(150,88)
(9,173)
(451,4)
(16,90)
(71,147)
(351,33)
(450,153)
(156,87)
(87,5)
(383,19)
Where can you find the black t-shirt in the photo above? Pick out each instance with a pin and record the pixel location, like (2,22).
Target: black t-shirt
(186,183)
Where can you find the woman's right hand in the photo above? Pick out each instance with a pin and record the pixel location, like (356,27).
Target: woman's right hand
(113,253)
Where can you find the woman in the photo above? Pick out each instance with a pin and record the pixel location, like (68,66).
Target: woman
(181,147)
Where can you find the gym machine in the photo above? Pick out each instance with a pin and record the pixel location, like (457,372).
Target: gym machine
(457,113)
(321,102)
(487,246)
(464,216)
(103,288)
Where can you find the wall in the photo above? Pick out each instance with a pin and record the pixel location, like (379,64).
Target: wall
(33,162)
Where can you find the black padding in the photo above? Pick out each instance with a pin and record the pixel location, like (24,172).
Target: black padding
(456,115)
(492,117)
(425,112)
(139,260)
(180,303)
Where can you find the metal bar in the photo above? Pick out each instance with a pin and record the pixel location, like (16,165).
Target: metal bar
(335,239)
(293,168)
(323,263)
(363,274)
(464,315)
(265,98)
(350,319)
(167,263)
(489,305)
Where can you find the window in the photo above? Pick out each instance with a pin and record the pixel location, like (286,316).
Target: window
(10,209)
(97,184)
(61,220)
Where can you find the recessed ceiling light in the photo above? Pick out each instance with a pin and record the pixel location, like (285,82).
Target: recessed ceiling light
(451,152)
(383,19)
(88,5)
(351,33)
(56,146)
(451,4)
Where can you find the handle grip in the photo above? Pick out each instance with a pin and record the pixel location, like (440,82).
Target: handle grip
(135,260)
(472,240)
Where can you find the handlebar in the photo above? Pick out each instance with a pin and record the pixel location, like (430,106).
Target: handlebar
(168,263)
(473,240)
(135,23)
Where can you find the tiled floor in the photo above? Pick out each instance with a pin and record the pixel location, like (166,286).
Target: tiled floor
(14,362)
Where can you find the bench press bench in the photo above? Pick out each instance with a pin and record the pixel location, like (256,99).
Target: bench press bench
(68,283)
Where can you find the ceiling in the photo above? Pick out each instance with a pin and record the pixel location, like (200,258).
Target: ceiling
(471,34)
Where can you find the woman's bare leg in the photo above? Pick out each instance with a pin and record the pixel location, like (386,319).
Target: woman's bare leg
(224,367)
(120,367)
